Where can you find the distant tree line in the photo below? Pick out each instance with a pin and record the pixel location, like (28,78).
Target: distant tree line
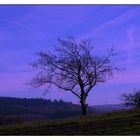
(31,101)
(20,110)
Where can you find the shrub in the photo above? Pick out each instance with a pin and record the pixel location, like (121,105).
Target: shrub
(132,98)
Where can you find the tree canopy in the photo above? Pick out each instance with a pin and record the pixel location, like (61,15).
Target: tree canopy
(73,67)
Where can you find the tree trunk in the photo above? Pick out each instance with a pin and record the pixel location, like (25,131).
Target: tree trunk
(83,106)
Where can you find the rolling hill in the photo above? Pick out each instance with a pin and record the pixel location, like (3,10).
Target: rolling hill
(20,110)
(116,123)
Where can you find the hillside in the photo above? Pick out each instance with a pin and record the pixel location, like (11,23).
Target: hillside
(18,110)
(117,123)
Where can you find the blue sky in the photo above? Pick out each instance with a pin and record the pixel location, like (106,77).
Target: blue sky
(25,30)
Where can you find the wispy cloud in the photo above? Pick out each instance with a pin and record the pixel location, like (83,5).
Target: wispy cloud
(18,24)
(113,22)
(14,23)
(130,31)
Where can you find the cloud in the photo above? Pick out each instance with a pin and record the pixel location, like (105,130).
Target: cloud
(19,25)
(14,23)
(130,31)
(115,21)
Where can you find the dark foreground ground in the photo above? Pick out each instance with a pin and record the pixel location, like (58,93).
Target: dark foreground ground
(117,123)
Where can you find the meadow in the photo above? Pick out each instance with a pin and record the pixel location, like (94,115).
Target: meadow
(115,123)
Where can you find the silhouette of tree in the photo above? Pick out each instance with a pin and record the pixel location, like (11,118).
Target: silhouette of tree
(132,98)
(73,67)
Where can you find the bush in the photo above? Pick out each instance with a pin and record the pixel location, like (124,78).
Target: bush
(132,98)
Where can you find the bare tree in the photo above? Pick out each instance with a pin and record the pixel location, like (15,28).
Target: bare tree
(74,68)
(132,98)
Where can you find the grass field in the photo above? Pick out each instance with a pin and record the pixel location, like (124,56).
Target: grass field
(117,123)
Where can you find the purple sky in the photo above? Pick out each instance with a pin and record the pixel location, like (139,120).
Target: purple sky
(25,30)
